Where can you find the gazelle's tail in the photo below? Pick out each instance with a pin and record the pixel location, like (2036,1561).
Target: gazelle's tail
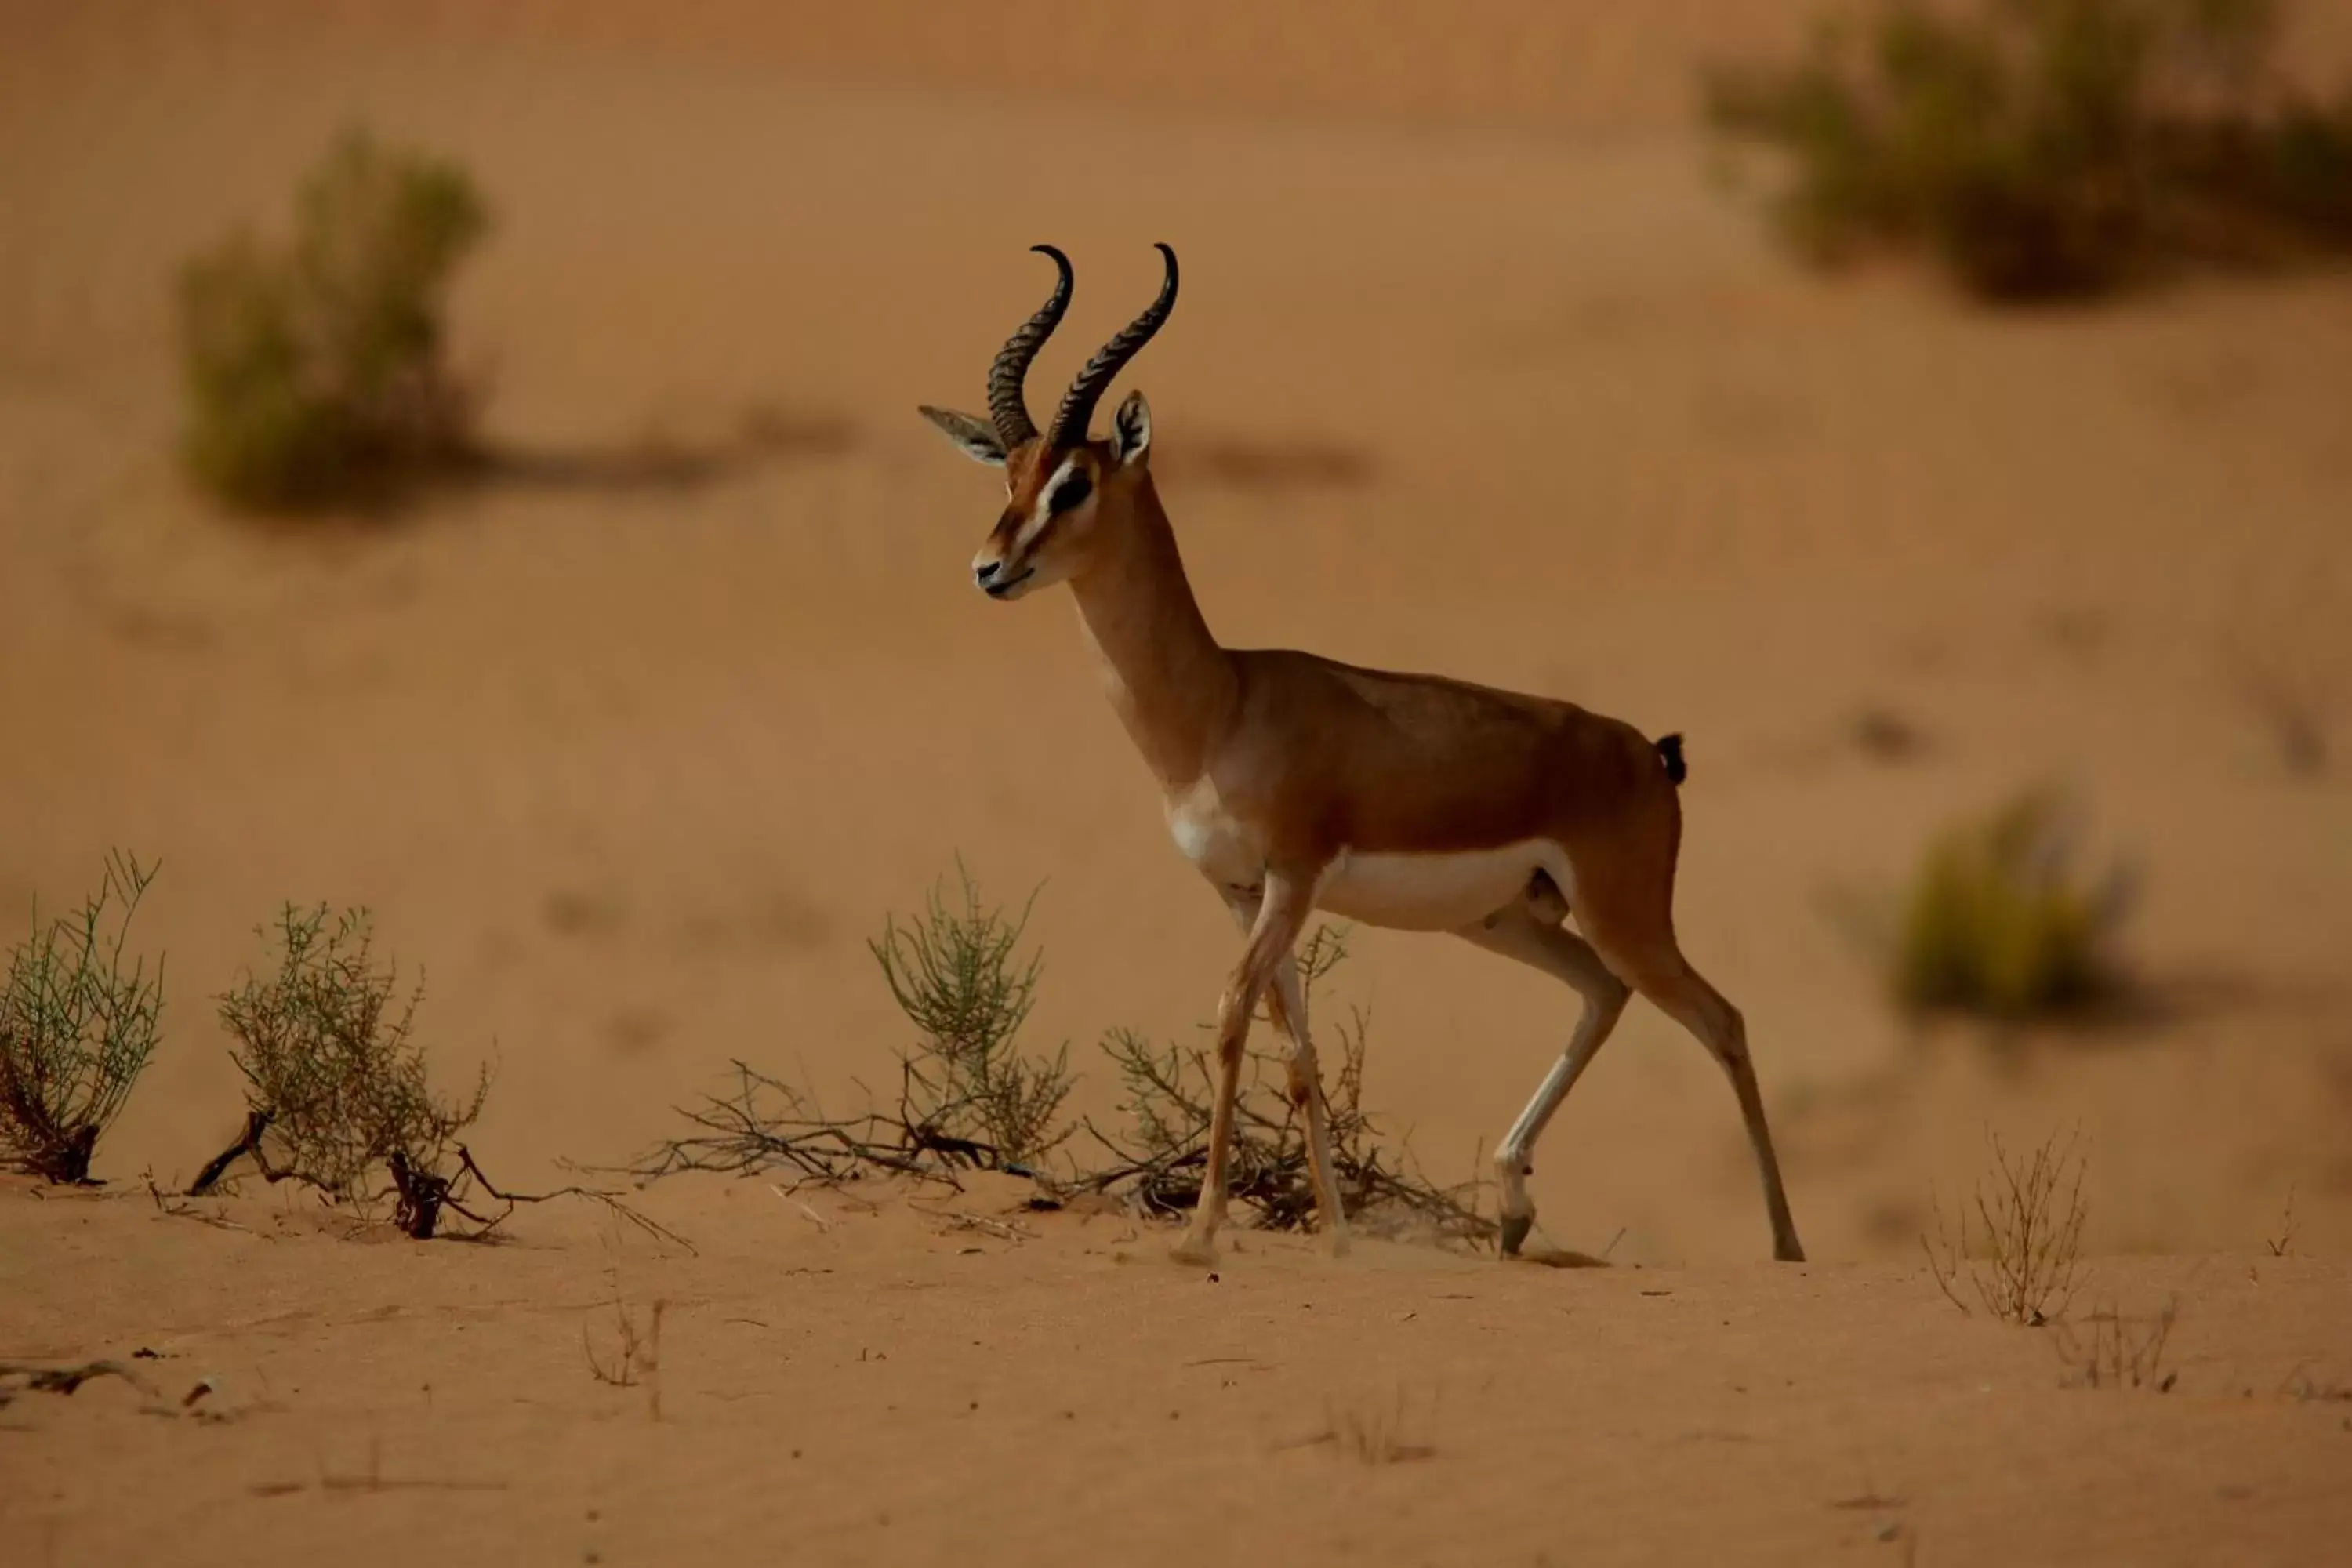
(1670,751)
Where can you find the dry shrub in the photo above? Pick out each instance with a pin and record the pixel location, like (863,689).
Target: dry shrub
(1997,922)
(1372,1431)
(2020,1239)
(2121,1352)
(971,1098)
(1169,1091)
(634,1356)
(337,1090)
(314,371)
(2042,148)
(77,1030)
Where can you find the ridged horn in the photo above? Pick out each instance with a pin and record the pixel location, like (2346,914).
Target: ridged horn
(1077,410)
(1005,403)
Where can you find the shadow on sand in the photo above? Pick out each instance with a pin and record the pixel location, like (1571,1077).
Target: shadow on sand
(659,464)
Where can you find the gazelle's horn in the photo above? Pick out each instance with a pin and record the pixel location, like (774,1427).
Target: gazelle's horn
(1005,403)
(1077,410)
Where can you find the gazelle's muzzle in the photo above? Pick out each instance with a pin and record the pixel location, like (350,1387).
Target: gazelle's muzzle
(1001,569)
(998,582)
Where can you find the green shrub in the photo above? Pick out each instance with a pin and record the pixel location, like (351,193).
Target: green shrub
(76,1031)
(314,372)
(2049,147)
(1996,921)
(954,972)
(333,1078)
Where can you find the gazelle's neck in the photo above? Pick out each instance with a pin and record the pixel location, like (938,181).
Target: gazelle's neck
(1173,687)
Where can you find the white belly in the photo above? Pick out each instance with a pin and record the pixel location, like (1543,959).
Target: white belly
(1402,891)
(1437,892)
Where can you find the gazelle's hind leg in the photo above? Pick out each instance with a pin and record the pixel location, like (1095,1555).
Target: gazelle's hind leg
(1305,1081)
(1685,996)
(1666,978)
(1530,933)
(1624,903)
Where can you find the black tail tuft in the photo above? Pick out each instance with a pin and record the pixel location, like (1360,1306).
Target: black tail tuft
(1670,751)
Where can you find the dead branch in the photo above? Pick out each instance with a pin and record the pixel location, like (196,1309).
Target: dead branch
(767,1126)
(249,1141)
(425,1194)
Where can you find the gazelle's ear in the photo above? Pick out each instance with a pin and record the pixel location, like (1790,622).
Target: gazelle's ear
(1130,431)
(975,438)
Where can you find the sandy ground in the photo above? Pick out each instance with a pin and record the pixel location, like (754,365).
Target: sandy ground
(1478,369)
(838,1385)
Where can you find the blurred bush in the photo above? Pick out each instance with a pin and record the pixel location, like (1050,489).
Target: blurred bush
(315,371)
(1997,922)
(2046,148)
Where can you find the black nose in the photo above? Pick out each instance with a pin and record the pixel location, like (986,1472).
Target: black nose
(983,575)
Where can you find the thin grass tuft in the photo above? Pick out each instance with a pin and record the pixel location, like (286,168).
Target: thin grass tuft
(2020,1239)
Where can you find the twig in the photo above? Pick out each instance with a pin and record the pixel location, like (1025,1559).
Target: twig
(823,1225)
(2283,1244)
(961,1219)
(166,1204)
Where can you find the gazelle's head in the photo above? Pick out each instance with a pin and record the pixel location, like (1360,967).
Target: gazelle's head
(1064,494)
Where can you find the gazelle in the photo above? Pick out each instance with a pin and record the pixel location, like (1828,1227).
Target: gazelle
(1296,783)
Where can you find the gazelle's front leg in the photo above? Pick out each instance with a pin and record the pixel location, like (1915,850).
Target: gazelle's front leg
(1282,914)
(1287,1005)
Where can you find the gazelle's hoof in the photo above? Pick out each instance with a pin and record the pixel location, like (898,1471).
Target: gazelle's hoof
(1788,1251)
(1197,1251)
(1514,1232)
(1340,1246)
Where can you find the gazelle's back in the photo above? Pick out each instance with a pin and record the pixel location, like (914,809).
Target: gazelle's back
(1456,765)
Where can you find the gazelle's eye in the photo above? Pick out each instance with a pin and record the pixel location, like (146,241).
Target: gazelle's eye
(1072,491)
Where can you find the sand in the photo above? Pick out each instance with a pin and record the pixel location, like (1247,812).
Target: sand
(1479,368)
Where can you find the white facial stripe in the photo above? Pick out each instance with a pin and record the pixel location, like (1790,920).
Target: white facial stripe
(1044,512)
